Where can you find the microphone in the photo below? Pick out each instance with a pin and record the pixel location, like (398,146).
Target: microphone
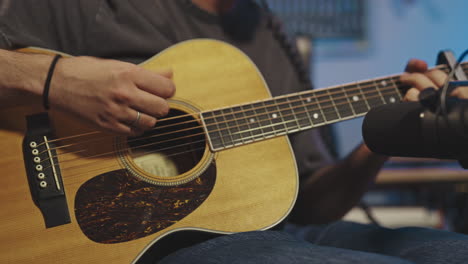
(410,129)
(434,127)
(395,130)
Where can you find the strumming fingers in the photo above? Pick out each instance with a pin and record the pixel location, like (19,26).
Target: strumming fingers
(138,121)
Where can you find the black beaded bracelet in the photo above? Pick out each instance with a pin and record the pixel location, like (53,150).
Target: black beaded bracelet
(45,93)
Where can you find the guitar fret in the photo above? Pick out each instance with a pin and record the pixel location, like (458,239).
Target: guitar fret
(243,124)
(244,127)
(293,111)
(226,137)
(232,126)
(314,110)
(283,121)
(342,103)
(227,128)
(372,94)
(264,119)
(287,115)
(253,122)
(302,117)
(333,103)
(357,101)
(213,131)
(364,97)
(394,88)
(277,119)
(303,102)
(329,111)
(388,92)
(376,85)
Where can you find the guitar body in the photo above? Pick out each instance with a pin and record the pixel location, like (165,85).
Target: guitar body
(117,209)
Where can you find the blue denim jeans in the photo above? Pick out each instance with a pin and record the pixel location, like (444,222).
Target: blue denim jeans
(337,243)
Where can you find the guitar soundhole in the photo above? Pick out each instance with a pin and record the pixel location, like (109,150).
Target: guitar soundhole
(174,146)
(116,206)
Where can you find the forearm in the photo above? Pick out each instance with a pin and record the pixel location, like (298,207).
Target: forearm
(22,76)
(333,190)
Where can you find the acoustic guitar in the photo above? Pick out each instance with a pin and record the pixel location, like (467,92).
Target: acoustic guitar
(219,163)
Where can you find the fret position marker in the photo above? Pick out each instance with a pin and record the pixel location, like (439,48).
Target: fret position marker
(355,98)
(309,99)
(252,120)
(383,83)
(274,115)
(392,99)
(315,115)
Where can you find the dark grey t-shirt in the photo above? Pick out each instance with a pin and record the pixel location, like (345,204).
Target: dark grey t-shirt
(136,30)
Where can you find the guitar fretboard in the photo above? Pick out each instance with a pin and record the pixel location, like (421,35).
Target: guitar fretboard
(282,115)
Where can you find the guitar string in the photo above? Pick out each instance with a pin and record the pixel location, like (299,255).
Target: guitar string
(441,67)
(211,118)
(311,92)
(329,95)
(134,139)
(293,113)
(232,113)
(228,128)
(265,113)
(174,154)
(70,176)
(274,134)
(317,103)
(154,151)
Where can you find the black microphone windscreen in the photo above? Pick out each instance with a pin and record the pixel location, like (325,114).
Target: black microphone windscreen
(395,130)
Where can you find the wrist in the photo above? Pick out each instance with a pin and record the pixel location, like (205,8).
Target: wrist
(24,72)
(50,74)
(362,158)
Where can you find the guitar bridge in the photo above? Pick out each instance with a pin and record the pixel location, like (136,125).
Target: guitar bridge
(43,172)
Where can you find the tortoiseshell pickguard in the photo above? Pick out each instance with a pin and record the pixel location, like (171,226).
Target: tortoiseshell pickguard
(116,207)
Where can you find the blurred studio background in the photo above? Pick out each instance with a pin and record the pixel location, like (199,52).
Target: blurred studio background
(353,40)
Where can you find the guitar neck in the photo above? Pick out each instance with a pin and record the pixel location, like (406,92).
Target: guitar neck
(283,115)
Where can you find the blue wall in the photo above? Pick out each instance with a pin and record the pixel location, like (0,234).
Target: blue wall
(398,30)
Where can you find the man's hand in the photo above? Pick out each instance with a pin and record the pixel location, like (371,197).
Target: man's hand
(419,78)
(115,96)
(109,93)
